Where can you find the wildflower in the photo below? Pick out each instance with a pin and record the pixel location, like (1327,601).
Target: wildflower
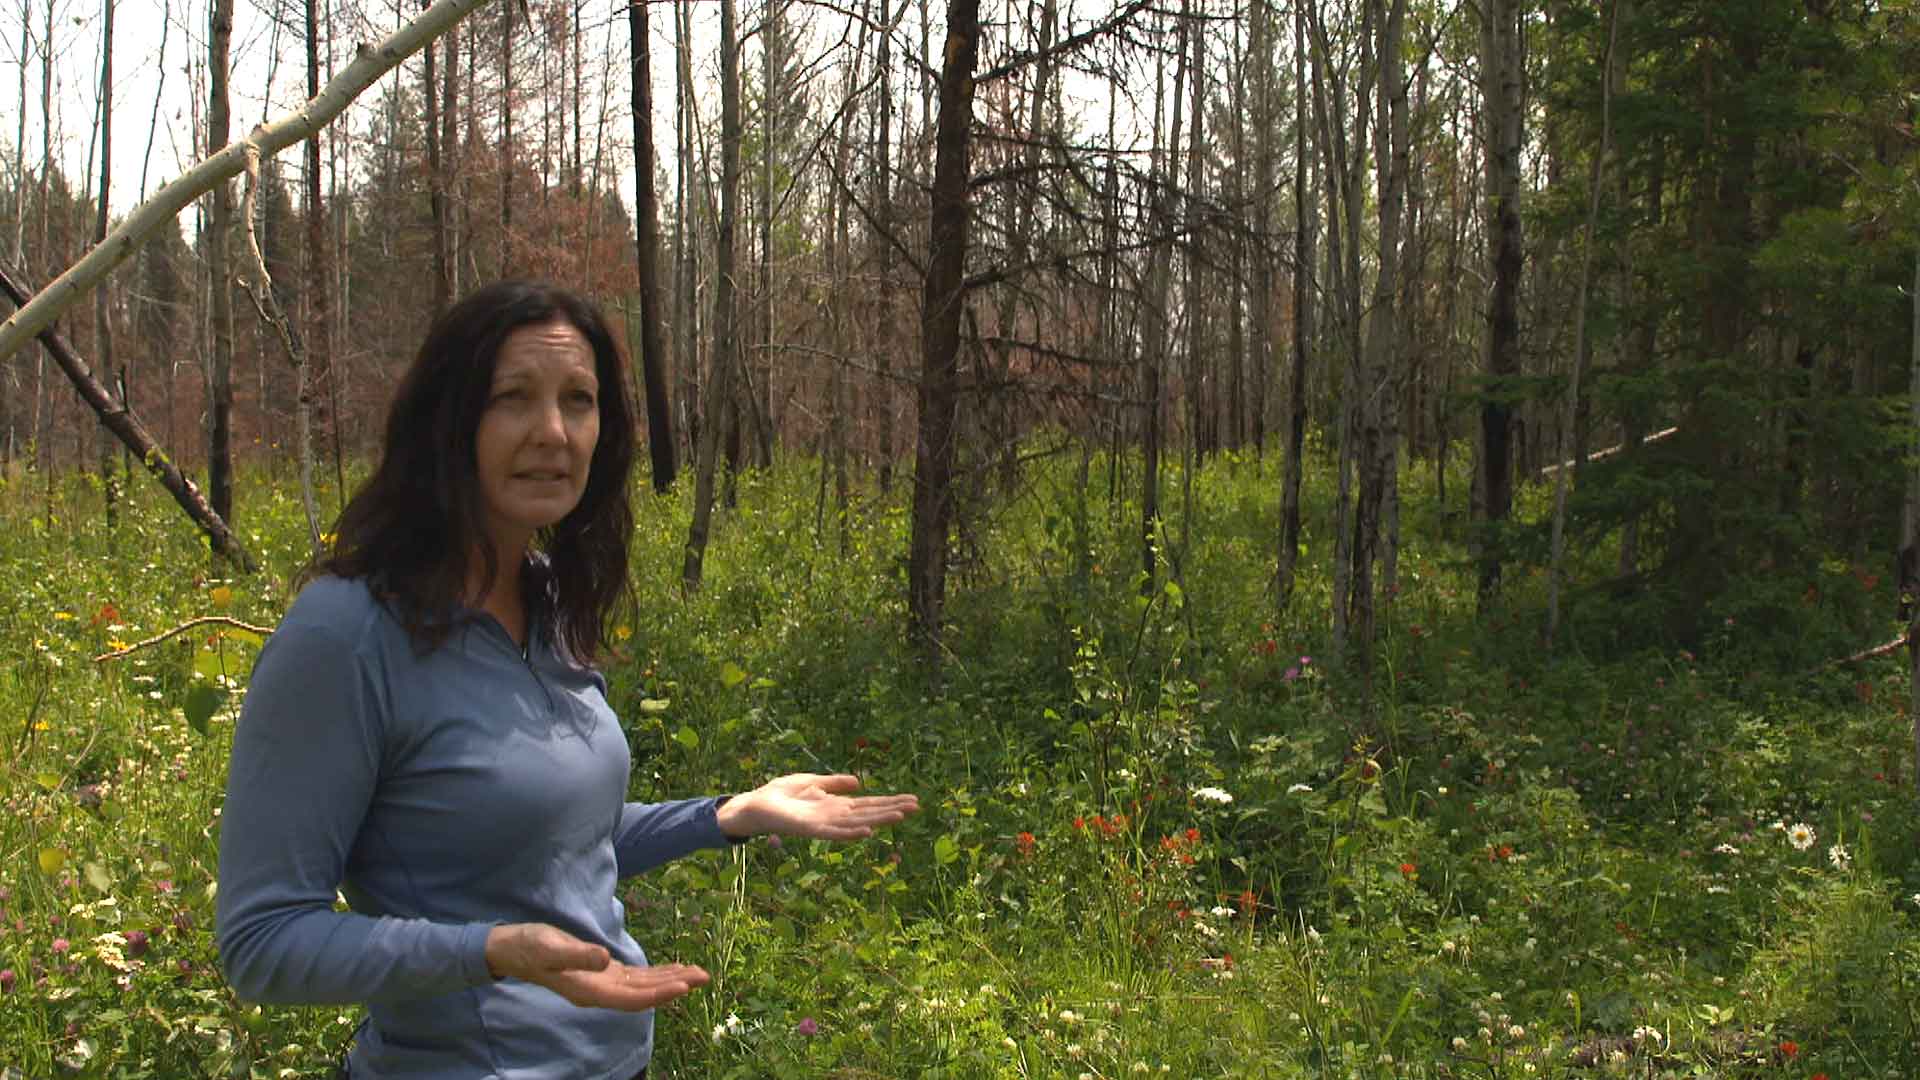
(1726,849)
(60,945)
(1025,843)
(1298,789)
(1459,1044)
(1800,835)
(1140,1067)
(719,1032)
(806,1026)
(1789,1048)
(1075,1050)
(1838,856)
(1068,1016)
(6,980)
(1644,1034)
(1221,911)
(1407,870)
(1212,795)
(1516,1032)
(137,942)
(1009,1043)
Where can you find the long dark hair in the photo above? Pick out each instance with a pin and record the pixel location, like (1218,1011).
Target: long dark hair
(412,530)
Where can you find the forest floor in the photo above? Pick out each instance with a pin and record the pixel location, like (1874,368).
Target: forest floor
(1164,831)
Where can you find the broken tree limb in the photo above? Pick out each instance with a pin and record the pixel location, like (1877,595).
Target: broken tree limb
(130,431)
(371,62)
(199,620)
(1883,649)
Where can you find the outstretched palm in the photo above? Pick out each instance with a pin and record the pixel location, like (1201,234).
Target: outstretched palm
(815,806)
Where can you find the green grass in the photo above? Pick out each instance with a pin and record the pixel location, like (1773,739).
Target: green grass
(1504,863)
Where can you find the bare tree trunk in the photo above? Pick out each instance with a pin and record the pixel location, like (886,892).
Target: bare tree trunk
(1159,285)
(726,332)
(447,246)
(1305,258)
(882,200)
(1594,179)
(219,235)
(1910,521)
(102,308)
(436,167)
(686,233)
(1500,85)
(507,149)
(319,358)
(945,297)
(653,346)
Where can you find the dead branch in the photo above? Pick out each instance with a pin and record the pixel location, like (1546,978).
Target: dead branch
(201,620)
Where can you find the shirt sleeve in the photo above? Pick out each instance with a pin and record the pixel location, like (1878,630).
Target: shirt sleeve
(305,765)
(650,834)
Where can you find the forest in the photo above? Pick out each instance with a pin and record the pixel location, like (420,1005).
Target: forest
(1383,532)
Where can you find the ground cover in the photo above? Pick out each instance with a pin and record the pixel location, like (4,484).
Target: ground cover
(1164,833)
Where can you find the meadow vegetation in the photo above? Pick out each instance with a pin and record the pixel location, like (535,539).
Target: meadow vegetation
(1163,833)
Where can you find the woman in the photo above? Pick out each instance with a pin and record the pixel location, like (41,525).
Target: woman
(424,732)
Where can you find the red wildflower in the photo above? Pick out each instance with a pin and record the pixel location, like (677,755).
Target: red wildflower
(1193,836)
(1025,843)
(1080,824)
(1789,1048)
(107,614)
(1406,869)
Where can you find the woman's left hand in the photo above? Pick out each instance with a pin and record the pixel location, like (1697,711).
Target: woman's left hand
(814,806)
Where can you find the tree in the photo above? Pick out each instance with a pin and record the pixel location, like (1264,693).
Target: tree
(219,270)
(1501,73)
(725,318)
(654,379)
(944,298)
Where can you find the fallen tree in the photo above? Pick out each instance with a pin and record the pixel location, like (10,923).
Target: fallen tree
(126,427)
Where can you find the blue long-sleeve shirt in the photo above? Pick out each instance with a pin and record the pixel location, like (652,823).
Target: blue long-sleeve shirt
(442,793)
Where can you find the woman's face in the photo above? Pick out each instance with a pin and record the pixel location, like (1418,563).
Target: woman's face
(534,445)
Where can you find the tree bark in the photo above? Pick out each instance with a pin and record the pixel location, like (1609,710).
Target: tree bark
(944,298)
(646,238)
(1500,85)
(102,309)
(1306,225)
(726,332)
(219,235)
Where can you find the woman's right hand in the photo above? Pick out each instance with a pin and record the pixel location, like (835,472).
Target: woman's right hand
(582,972)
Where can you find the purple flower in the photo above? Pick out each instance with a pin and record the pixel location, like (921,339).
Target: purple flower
(773,840)
(137,942)
(1290,674)
(6,980)
(60,945)
(807,1026)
